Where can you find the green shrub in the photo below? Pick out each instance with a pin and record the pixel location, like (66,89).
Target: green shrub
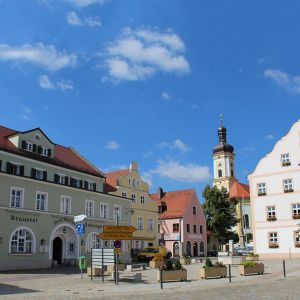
(208,263)
(219,264)
(249,263)
(169,264)
(177,265)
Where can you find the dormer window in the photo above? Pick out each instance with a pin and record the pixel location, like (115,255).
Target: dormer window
(285,160)
(28,146)
(44,151)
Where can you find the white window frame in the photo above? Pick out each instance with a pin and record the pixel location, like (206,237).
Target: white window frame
(133,197)
(288,184)
(61,178)
(90,185)
(143,199)
(33,241)
(296,209)
(63,205)
(150,224)
(29,146)
(89,208)
(271,211)
(285,158)
(45,201)
(124,194)
(40,172)
(106,215)
(18,167)
(93,242)
(21,197)
(119,209)
(273,238)
(44,151)
(261,188)
(140,223)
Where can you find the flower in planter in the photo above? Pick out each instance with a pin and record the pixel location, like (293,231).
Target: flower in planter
(272,218)
(273,246)
(296,216)
(248,263)
(297,245)
(172,264)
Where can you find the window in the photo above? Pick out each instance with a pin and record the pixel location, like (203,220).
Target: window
(41,201)
(176,227)
(188,228)
(133,198)
(285,160)
(103,211)
(65,205)
(21,241)
(28,146)
(124,194)
(288,185)
(271,213)
(194,210)
(38,174)
(89,208)
(142,199)
(296,211)
(117,212)
(140,223)
(75,182)
(273,240)
(16,197)
(93,242)
(220,173)
(15,169)
(201,229)
(195,228)
(62,179)
(246,221)
(261,189)
(150,224)
(297,239)
(232,174)
(129,181)
(44,151)
(90,185)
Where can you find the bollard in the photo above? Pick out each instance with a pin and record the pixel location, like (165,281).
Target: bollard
(284,272)
(161,279)
(229,270)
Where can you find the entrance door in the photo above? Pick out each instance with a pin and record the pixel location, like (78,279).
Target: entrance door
(57,250)
(195,246)
(188,248)
(201,248)
(176,249)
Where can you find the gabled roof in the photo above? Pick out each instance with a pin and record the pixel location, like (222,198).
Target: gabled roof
(176,201)
(239,190)
(111,180)
(30,130)
(63,156)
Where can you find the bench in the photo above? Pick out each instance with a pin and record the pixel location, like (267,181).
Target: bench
(135,267)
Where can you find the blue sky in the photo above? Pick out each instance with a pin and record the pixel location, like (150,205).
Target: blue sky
(126,80)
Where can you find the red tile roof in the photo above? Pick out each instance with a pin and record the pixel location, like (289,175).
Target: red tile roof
(239,190)
(63,156)
(111,180)
(176,202)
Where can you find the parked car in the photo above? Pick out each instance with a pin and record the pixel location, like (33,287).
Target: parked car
(212,253)
(154,251)
(242,251)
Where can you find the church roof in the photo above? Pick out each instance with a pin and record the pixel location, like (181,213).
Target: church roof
(239,190)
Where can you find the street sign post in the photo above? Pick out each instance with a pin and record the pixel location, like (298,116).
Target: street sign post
(80,229)
(115,236)
(118,229)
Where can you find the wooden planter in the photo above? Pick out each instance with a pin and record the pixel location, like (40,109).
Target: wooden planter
(155,264)
(94,271)
(111,269)
(213,272)
(252,258)
(257,269)
(185,260)
(173,275)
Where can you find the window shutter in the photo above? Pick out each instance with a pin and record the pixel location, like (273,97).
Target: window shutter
(21,170)
(23,145)
(56,178)
(8,167)
(66,180)
(94,187)
(45,176)
(0,165)
(81,183)
(33,173)
(39,149)
(71,181)
(86,184)
(49,152)
(34,146)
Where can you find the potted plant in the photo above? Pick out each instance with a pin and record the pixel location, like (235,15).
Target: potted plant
(251,267)
(213,270)
(172,271)
(271,218)
(252,257)
(273,245)
(185,260)
(156,262)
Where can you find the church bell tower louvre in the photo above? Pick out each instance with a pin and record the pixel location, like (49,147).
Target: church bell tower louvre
(223,160)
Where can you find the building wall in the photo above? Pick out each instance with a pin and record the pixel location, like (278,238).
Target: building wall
(271,172)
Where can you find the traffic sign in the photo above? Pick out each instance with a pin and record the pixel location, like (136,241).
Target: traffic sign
(115,236)
(79,218)
(117,244)
(80,229)
(118,229)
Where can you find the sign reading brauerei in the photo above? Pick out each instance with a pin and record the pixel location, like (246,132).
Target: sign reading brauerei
(23,219)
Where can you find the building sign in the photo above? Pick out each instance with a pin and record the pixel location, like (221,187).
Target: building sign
(195,236)
(23,219)
(172,237)
(71,221)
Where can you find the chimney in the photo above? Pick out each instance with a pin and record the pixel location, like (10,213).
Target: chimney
(160,193)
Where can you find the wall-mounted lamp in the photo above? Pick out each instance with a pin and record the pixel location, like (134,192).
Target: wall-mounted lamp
(64,230)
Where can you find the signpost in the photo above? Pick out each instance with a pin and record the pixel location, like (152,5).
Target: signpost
(115,236)
(80,229)
(118,229)
(100,258)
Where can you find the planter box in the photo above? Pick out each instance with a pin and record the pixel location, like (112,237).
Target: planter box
(252,258)
(257,269)
(111,269)
(94,271)
(271,219)
(155,264)
(173,275)
(213,272)
(185,260)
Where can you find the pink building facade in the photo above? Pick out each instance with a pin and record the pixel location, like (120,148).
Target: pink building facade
(182,222)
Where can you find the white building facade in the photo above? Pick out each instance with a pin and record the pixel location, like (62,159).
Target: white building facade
(275,199)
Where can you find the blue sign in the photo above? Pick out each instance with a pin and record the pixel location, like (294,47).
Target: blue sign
(80,229)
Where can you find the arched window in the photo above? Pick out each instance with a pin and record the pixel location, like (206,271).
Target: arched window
(93,242)
(220,173)
(22,241)
(246,222)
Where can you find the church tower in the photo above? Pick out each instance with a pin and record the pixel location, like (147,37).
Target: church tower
(223,159)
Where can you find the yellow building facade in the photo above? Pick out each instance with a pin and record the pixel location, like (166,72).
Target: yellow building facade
(128,183)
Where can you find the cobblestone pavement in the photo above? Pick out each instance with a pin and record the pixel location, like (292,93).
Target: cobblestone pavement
(66,283)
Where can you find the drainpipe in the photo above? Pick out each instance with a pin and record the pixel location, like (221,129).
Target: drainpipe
(180,238)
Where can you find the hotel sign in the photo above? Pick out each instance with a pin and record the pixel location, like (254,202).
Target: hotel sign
(172,237)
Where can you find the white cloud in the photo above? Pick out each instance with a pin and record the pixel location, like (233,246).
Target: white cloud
(26,113)
(269,137)
(185,173)
(85,3)
(46,83)
(147,177)
(288,82)
(177,144)
(166,96)
(112,145)
(148,154)
(43,55)
(74,20)
(138,54)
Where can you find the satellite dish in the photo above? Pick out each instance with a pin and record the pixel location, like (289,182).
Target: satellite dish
(79,218)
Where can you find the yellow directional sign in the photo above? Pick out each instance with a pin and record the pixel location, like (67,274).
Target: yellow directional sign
(118,229)
(115,236)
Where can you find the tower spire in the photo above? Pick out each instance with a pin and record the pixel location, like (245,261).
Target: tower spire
(221,120)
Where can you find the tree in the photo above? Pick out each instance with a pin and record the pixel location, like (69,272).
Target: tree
(220,212)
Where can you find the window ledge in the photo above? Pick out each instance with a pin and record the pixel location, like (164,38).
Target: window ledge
(271,219)
(261,194)
(296,216)
(273,246)
(21,254)
(289,191)
(286,164)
